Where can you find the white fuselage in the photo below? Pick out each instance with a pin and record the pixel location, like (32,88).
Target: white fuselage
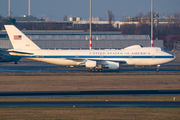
(134,56)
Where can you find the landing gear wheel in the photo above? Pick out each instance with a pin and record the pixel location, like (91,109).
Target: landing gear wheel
(100,70)
(97,70)
(92,70)
(158,67)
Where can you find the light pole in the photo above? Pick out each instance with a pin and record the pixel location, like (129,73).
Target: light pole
(151,23)
(29,7)
(90,41)
(9,8)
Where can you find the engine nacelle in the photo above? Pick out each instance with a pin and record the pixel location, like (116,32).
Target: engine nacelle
(90,64)
(113,65)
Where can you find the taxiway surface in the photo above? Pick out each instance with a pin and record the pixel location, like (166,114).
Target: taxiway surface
(36,66)
(88,104)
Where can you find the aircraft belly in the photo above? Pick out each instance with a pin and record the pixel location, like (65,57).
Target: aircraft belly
(153,61)
(57,61)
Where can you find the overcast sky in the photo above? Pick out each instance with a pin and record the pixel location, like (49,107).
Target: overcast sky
(80,8)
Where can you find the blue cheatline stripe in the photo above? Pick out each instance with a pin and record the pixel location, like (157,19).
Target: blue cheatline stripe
(74,57)
(164,56)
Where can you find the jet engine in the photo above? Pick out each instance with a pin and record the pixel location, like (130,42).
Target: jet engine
(90,64)
(112,65)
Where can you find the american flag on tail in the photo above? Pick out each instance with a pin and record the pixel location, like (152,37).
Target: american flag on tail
(17,37)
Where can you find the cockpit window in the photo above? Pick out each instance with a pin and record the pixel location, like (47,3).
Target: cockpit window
(162,49)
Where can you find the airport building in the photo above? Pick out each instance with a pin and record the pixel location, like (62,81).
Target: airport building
(78,39)
(26,18)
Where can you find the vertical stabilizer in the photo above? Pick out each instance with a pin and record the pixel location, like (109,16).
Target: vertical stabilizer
(18,39)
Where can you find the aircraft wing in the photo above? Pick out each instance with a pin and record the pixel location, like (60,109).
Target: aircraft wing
(98,60)
(120,61)
(12,52)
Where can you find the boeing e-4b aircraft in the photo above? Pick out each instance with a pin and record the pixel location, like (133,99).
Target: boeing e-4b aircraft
(95,60)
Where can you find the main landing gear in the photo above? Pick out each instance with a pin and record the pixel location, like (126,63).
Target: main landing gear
(94,70)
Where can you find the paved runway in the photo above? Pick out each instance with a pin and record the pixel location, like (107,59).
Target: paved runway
(88,104)
(91,93)
(92,103)
(35,66)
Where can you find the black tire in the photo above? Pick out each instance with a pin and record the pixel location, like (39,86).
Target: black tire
(96,70)
(100,70)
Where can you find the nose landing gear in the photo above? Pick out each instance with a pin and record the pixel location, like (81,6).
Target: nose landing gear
(157,68)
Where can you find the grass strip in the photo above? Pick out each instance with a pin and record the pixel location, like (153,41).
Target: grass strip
(90,113)
(81,82)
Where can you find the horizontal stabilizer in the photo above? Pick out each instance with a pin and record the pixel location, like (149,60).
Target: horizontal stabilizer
(20,53)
